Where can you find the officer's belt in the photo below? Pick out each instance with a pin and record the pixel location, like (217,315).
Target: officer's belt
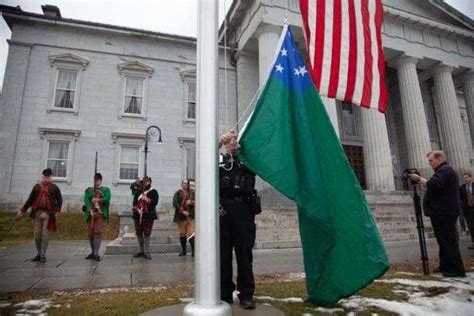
(235,200)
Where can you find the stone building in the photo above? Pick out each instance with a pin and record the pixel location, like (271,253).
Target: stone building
(73,88)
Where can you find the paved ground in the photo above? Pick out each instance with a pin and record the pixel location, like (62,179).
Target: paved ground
(66,267)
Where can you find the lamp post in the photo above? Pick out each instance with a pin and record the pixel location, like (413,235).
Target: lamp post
(152,130)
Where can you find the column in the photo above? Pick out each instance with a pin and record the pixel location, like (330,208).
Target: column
(268,36)
(377,156)
(330,105)
(449,116)
(468,86)
(414,116)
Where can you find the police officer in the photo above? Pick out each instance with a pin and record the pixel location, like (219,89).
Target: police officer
(237,224)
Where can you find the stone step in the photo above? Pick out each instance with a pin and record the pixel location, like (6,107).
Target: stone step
(405,236)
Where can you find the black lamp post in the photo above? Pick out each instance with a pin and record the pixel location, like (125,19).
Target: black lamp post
(152,130)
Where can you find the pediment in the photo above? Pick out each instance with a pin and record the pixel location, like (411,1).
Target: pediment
(135,66)
(435,10)
(190,73)
(68,58)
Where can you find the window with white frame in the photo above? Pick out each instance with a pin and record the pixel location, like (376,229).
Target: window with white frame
(66,79)
(129,162)
(349,127)
(191,104)
(58,158)
(65,89)
(133,97)
(134,82)
(189,160)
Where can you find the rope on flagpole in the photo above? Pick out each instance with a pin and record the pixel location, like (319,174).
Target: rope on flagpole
(225,67)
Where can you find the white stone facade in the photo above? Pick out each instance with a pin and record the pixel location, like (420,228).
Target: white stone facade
(430,63)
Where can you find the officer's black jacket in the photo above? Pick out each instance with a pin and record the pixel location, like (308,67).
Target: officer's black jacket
(442,193)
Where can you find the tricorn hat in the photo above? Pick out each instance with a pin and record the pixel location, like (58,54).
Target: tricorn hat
(97,176)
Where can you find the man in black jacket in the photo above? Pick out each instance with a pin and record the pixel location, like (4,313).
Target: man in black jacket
(441,204)
(466,194)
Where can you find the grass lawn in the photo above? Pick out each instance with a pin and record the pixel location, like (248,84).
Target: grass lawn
(71,226)
(286,292)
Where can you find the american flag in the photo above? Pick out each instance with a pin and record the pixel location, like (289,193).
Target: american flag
(344,44)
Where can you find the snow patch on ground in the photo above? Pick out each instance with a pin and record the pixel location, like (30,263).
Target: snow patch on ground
(294,277)
(35,307)
(114,290)
(4,304)
(405,273)
(461,283)
(457,301)
(288,299)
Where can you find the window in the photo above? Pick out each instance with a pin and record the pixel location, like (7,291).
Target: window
(58,151)
(348,120)
(65,89)
(129,162)
(66,79)
(133,98)
(431,121)
(58,155)
(189,157)
(190,161)
(135,77)
(191,107)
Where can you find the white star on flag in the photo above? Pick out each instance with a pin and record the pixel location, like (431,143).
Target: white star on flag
(279,68)
(284,52)
(297,72)
(303,71)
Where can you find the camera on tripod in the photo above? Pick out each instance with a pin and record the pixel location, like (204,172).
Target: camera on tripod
(409,171)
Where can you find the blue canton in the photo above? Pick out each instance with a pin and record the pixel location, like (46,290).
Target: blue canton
(289,66)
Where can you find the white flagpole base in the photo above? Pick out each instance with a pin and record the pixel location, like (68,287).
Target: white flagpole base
(222,309)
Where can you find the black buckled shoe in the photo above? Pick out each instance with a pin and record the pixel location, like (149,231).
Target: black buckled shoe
(36,258)
(96,258)
(247,304)
(138,255)
(42,259)
(147,256)
(454,274)
(90,256)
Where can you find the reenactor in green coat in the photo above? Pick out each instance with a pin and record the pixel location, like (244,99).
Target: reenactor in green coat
(95,213)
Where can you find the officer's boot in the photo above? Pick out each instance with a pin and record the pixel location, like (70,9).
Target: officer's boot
(38,249)
(191,241)
(183,246)
(141,244)
(96,256)
(91,243)
(146,248)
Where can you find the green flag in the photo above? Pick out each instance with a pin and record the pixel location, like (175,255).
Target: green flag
(289,142)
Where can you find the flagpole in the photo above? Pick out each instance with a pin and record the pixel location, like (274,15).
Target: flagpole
(207,269)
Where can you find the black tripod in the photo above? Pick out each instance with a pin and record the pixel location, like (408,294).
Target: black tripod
(421,230)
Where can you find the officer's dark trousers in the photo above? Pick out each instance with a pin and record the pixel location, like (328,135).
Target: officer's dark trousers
(237,231)
(444,228)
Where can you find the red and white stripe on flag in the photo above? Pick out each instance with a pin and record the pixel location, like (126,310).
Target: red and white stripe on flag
(344,44)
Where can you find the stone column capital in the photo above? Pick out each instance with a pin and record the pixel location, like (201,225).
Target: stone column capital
(403,60)
(265,28)
(467,76)
(442,68)
(241,52)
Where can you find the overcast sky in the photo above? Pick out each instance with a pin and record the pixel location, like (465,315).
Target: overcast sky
(167,16)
